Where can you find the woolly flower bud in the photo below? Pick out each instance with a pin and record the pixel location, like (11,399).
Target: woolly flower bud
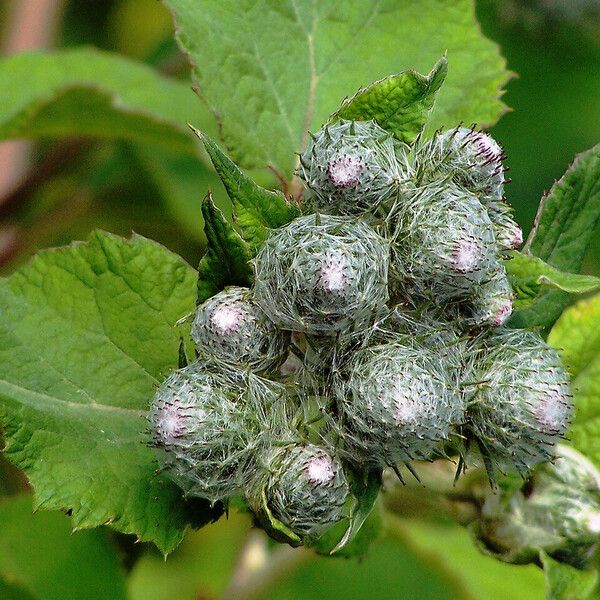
(351,167)
(492,302)
(322,274)
(508,233)
(207,425)
(397,402)
(444,245)
(557,510)
(232,328)
(472,158)
(304,487)
(522,403)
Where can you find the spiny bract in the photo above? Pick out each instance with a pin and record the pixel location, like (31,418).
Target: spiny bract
(304,487)
(521,404)
(397,402)
(322,274)
(231,327)
(207,424)
(352,167)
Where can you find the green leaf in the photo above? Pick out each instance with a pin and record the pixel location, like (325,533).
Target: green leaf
(275,69)
(88,92)
(227,257)
(529,275)
(87,332)
(40,554)
(577,335)
(255,208)
(562,231)
(399,103)
(564,582)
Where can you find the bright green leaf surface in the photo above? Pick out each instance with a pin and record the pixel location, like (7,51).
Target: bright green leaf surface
(564,582)
(86,334)
(87,92)
(39,553)
(577,335)
(12,591)
(273,69)
(399,103)
(255,208)
(227,257)
(530,274)
(563,229)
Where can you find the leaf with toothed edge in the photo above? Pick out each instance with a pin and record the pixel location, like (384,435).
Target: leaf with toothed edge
(399,103)
(226,261)
(273,70)
(563,229)
(256,210)
(529,275)
(87,333)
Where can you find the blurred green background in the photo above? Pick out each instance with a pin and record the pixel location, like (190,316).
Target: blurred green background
(52,193)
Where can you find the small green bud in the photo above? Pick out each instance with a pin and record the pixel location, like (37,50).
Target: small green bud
(231,327)
(556,510)
(322,275)
(522,401)
(207,425)
(351,167)
(302,486)
(397,401)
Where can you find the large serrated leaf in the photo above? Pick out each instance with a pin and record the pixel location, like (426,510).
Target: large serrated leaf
(563,229)
(529,275)
(227,258)
(88,92)
(256,210)
(577,335)
(274,69)
(87,332)
(399,103)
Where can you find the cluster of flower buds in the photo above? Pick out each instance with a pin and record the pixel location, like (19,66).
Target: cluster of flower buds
(373,336)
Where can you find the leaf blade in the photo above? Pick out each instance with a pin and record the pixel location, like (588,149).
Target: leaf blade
(399,103)
(86,334)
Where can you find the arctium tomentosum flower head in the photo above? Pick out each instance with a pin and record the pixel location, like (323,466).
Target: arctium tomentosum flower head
(322,274)
(231,327)
(397,402)
(443,244)
(303,486)
(207,424)
(352,167)
(521,404)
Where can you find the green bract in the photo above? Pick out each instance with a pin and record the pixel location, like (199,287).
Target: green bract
(522,401)
(302,486)
(397,401)
(351,167)
(207,425)
(322,274)
(231,327)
